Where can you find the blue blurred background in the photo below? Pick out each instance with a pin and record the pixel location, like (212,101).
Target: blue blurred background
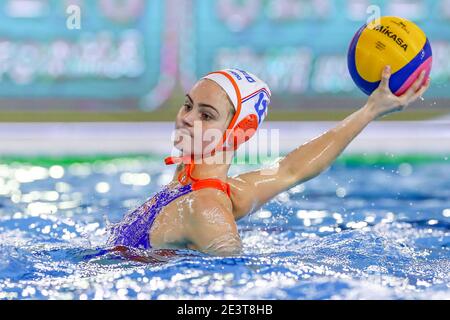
(133,55)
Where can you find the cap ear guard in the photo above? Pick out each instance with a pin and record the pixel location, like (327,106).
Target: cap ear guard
(253,112)
(243,131)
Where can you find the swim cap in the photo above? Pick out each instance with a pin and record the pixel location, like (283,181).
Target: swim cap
(250,97)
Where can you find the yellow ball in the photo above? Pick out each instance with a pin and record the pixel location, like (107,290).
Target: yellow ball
(392,41)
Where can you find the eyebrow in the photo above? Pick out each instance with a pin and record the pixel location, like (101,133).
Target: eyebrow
(202,104)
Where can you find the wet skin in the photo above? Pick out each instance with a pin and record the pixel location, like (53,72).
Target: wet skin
(205,220)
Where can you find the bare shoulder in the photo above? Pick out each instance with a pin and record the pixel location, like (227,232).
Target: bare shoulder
(210,199)
(210,209)
(211,227)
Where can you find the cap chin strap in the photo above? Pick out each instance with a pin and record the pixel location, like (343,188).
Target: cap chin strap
(197,184)
(189,164)
(186,173)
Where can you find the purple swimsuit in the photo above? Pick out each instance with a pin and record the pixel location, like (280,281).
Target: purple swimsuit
(134,229)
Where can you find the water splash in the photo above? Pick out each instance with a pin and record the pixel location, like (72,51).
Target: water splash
(369,244)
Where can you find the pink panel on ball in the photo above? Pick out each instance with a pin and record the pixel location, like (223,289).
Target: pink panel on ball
(426,65)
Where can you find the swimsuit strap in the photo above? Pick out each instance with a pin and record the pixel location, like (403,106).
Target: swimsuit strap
(198,184)
(212,183)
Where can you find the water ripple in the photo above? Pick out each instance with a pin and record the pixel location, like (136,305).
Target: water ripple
(352,233)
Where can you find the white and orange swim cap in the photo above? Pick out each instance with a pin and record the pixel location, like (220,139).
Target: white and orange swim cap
(250,97)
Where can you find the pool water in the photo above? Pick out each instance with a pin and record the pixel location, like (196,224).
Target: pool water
(358,231)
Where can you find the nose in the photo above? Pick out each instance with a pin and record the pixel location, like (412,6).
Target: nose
(188,119)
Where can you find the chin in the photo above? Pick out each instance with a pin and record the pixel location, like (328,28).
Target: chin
(184,149)
(178,146)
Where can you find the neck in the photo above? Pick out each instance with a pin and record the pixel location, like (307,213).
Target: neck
(210,171)
(214,167)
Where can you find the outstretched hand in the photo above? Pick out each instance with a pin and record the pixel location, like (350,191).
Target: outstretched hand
(382,101)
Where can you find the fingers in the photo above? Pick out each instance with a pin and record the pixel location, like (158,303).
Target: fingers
(411,95)
(422,90)
(385,76)
(416,85)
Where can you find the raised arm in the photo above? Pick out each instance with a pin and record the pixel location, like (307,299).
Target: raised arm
(311,158)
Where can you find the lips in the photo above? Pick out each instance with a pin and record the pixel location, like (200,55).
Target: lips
(180,133)
(183,132)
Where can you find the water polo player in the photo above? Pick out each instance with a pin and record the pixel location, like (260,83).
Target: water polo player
(199,208)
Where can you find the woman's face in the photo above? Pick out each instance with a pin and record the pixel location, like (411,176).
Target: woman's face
(203,118)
